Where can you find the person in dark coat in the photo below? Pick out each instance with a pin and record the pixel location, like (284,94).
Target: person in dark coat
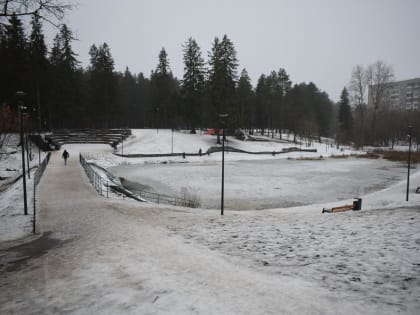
(65,155)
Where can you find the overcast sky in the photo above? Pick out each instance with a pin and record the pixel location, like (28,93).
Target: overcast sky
(314,40)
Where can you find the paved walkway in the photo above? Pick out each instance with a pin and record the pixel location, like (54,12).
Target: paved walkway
(102,256)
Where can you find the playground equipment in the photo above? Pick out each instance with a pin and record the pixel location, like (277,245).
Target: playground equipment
(357,205)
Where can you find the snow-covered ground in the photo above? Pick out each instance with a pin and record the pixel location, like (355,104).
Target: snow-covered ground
(13,223)
(263,184)
(119,256)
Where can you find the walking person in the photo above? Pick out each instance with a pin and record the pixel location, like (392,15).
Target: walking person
(65,155)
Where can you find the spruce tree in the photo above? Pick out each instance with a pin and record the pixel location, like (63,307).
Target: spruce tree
(64,106)
(223,66)
(15,60)
(345,117)
(143,95)
(38,66)
(164,88)
(103,88)
(282,85)
(127,99)
(193,82)
(245,96)
(262,98)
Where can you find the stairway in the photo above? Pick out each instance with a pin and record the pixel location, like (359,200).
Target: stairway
(108,136)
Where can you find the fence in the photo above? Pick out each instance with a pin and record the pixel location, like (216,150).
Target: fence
(95,179)
(100,184)
(37,177)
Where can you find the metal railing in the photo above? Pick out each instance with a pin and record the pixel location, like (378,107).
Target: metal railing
(37,177)
(95,179)
(100,184)
(165,199)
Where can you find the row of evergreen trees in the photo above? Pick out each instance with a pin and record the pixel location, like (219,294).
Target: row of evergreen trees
(65,95)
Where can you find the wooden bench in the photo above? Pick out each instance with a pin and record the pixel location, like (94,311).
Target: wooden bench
(357,205)
(338,209)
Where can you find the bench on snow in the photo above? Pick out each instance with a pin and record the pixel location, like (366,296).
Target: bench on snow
(357,205)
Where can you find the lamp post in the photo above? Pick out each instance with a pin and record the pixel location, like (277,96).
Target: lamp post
(157,119)
(172,141)
(409,160)
(223,122)
(20,95)
(122,145)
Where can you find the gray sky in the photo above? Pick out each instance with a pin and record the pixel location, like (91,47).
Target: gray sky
(314,40)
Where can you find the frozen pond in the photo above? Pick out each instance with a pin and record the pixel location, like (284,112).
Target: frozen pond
(264,184)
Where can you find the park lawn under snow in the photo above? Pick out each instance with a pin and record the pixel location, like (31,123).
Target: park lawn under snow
(354,262)
(252,181)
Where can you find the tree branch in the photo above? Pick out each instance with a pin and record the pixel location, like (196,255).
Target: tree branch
(44,8)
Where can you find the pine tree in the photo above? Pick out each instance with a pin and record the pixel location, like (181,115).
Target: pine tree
(3,64)
(222,79)
(146,113)
(193,82)
(15,60)
(345,117)
(38,66)
(245,95)
(164,88)
(103,88)
(272,90)
(282,85)
(127,99)
(308,111)
(68,56)
(64,106)
(261,94)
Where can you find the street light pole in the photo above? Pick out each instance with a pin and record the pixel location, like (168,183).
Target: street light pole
(222,206)
(38,101)
(409,161)
(157,119)
(223,172)
(20,94)
(122,145)
(172,140)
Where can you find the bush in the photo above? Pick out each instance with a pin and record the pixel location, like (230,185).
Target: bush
(190,199)
(400,156)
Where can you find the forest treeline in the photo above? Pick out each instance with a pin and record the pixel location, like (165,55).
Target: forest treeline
(101,97)
(62,94)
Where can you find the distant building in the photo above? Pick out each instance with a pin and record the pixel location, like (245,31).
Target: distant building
(402,95)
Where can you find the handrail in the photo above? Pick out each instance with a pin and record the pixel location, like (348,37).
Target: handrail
(37,177)
(99,183)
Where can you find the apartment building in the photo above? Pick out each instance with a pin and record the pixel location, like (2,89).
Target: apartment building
(403,95)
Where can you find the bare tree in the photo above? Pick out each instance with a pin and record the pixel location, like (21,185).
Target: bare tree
(51,11)
(357,88)
(378,76)
(358,84)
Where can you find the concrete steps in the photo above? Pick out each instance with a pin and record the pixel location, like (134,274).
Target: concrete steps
(108,136)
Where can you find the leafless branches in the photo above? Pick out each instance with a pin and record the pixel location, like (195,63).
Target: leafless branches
(51,11)
(378,76)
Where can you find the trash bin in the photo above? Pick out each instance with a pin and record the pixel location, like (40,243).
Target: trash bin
(357,204)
